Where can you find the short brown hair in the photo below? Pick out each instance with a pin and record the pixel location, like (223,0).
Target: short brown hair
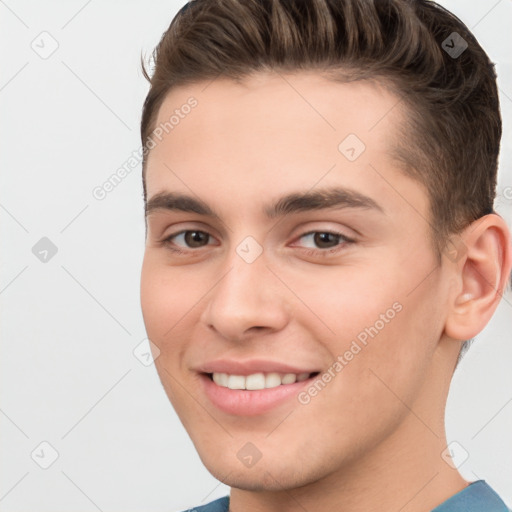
(453,128)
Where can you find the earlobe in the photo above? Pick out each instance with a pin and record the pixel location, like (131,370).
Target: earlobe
(481,276)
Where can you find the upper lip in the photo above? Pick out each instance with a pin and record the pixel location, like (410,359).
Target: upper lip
(250,366)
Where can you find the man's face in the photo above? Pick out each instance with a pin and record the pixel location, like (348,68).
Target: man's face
(249,283)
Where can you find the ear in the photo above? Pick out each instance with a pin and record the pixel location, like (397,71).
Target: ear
(480,260)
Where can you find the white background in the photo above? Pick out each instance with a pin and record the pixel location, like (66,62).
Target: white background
(69,326)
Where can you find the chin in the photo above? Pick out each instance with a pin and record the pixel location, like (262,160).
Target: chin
(274,474)
(260,480)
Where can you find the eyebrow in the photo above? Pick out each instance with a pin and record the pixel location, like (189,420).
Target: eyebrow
(321,199)
(292,203)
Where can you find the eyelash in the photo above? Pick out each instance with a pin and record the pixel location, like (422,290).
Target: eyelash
(343,241)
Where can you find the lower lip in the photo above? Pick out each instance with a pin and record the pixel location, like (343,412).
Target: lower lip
(250,403)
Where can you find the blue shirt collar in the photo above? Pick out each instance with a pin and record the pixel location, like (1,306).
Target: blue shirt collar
(476,497)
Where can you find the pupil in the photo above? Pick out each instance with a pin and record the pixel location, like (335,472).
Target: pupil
(326,239)
(196,238)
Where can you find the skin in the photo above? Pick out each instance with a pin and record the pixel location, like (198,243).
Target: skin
(373,437)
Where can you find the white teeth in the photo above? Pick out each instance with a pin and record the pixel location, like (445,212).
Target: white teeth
(272,380)
(257,381)
(221,379)
(289,378)
(236,382)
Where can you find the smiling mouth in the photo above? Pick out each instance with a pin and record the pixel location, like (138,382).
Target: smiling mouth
(258,381)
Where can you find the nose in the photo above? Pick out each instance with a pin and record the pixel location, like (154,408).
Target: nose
(247,300)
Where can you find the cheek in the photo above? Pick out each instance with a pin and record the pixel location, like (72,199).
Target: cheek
(373,375)
(167,293)
(344,304)
(166,300)
(154,297)
(371,323)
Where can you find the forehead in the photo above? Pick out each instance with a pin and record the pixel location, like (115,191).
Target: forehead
(274,132)
(324,109)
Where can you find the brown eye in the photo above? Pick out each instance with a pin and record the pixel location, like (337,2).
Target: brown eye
(326,240)
(322,239)
(189,239)
(196,238)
